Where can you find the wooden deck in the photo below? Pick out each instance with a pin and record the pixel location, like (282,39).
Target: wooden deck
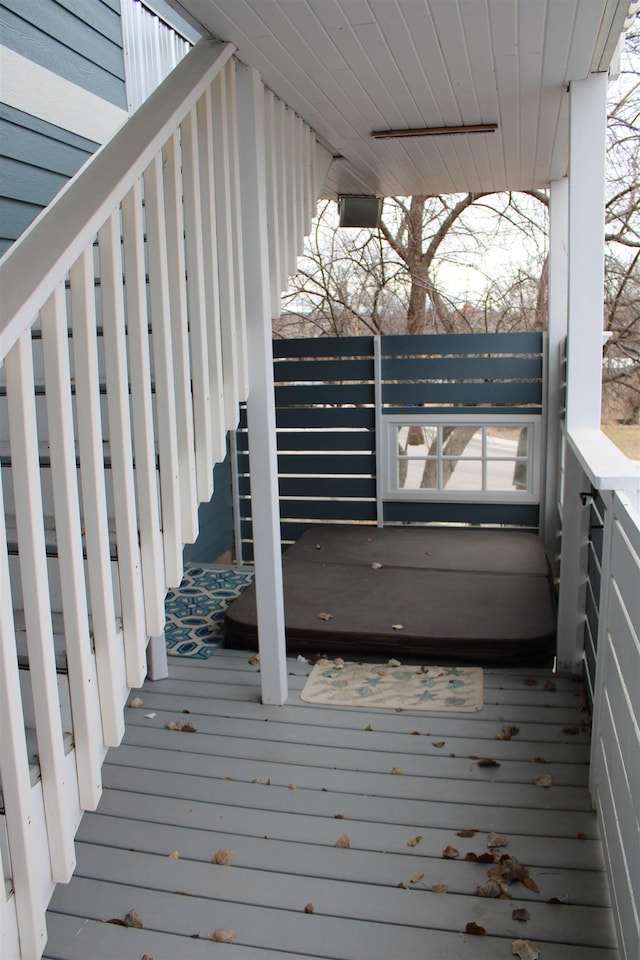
(279,785)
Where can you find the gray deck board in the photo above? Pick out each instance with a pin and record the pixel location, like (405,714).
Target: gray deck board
(230,785)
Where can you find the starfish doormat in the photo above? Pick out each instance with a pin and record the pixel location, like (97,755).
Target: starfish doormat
(395,686)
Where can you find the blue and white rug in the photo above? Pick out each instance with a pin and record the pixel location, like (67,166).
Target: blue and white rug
(195,611)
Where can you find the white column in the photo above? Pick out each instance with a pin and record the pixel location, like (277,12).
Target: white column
(587,149)
(260,403)
(557,331)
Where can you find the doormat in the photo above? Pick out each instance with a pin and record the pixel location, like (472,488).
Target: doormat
(394,686)
(195,611)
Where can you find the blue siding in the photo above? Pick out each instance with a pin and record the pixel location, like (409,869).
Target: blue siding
(36,160)
(215,518)
(80,41)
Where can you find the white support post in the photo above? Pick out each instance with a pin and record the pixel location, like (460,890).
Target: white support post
(557,331)
(587,150)
(261,402)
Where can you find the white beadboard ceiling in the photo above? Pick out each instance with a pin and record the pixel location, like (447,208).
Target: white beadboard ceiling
(349,67)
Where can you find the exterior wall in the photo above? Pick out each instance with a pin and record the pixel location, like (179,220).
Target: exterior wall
(215,520)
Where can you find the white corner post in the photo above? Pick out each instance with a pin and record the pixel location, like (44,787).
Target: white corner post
(556,333)
(587,151)
(261,418)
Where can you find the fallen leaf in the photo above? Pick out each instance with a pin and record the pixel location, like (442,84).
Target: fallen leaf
(474,929)
(254,659)
(369,727)
(415,733)
(308,908)
(339,816)
(549,685)
(343,842)
(394,663)
(545,781)
(325,616)
(494,890)
(188,728)
(507,731)
(376,566)
(136,703)
(397,626)
(172,725)
(486,858)
(402,886)
(571,730)
(525,950)
(497,840)
(530,682)
(227,778)
(186,711)
(521,914)
(149,716)
(507,870)
(292,786)
(418,877)
(414,842)
(397,771)
(174,855)
(439,888)
(438,743)
(541,760)
(466,833)
(582,836)
(555,901)
(116,922)
(223,857)
(530,884)
(487,762)
(145,956)
(471,857)
(450,853)
(223,936)
(133,920)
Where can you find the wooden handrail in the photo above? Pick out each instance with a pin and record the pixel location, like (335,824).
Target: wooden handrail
(57,237)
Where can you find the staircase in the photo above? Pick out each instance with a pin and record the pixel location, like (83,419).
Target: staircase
(123,344)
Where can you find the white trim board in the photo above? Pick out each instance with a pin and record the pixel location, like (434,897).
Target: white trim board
(41,93)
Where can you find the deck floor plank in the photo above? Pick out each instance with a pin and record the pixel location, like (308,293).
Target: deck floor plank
(278,786)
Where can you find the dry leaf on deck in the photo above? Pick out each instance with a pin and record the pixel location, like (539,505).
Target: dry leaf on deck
(223,857)
(571,730)
(450,853)
(418,877)
(497,840)
(530,884)
(525,950)
(394,663)
(414,842)
(136,703)
(521,914)
(530,682)
(439,888)
(369,727)
(471,857)
(188,728)
(582,836)
(486,858)
(376,566)
(487,762)
(397,771)
(540,760)
(254,659)
(545,781)
(466,833)
(308,908)
(223,936)
(397,626)
(339,816)
(343,842)
(172,725)
(325,616)
(507,731)
(133,920)
(438,743)
(492,889)
(549,685)
(475,929)
(174,855)
(292,786)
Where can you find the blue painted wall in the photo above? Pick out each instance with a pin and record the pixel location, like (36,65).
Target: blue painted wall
(80,40)
(215,519)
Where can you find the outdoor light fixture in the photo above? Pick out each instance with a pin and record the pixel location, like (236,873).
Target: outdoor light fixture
(359,211)
(434,131)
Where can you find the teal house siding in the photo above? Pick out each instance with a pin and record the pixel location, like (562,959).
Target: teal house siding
(36,160)
(216,534)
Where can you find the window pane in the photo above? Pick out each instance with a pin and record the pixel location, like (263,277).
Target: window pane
(462,474)
(418,474)
(417,439)
(507,441)
(462,441)
(506,475)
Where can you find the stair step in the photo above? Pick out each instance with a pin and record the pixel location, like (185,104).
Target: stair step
(34,762)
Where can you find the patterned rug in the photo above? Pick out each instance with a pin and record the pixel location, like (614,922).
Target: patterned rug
(395,686)
(195,611)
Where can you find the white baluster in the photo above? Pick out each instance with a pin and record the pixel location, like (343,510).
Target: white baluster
(146,475)
(196,299)
(174,218)
(236,215)
(163,371)
(271,173)
(83,690)
(26,856)
(25,467)
(226,265)
(121,452)
(109,653)
(211,280)
(282,192)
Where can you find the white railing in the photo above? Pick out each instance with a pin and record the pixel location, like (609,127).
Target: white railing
(123,361)
(593,464)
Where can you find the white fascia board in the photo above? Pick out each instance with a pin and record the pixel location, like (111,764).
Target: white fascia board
(33,89)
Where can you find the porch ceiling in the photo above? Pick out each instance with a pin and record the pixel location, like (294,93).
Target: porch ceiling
(350,67)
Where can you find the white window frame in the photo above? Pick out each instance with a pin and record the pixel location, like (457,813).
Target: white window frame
(390,457)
